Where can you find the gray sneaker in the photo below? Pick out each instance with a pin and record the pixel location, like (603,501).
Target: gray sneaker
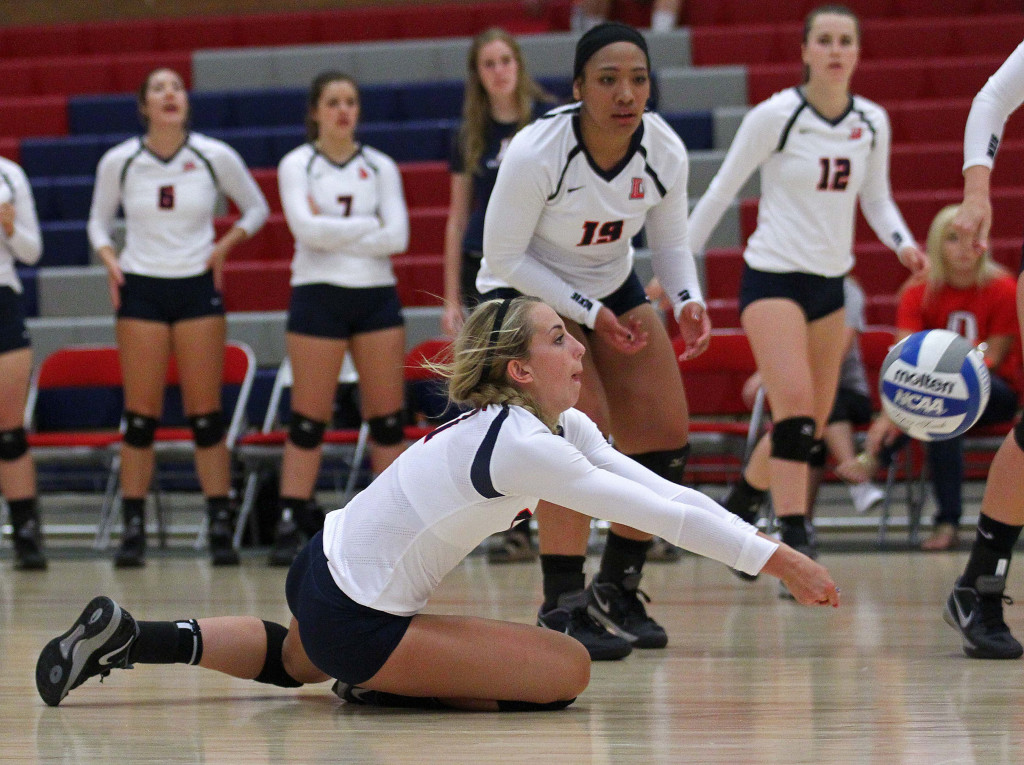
(100,640)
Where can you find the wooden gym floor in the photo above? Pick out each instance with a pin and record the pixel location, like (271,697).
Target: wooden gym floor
(746,678)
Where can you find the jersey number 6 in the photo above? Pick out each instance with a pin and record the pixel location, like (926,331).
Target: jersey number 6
(605,232)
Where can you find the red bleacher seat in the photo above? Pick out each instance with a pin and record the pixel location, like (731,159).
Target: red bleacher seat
(257,285)
(290,28)
(420,279)
(41,40)
(929,120)
(34,116)
(195,32)
(10,148)
(129,70)
(126,36)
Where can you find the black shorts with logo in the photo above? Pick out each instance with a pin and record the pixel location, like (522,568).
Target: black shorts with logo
(169,300)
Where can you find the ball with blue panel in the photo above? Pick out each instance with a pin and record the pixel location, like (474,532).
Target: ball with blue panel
(934,385)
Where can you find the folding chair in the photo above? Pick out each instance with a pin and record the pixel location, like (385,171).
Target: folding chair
(722,430)
(257,450)
(73,414)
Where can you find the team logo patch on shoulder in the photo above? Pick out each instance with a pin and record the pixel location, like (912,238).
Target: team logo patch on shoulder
(190,165)
(636,191)
(856,133)
(363,175)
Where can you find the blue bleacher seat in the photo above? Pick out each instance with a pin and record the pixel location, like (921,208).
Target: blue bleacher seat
(67,155)
(211,111)
(64,244)
(91,115)
(30,293)
(71,197)
(697,129)
(41,195)
(410,141)
(378,103)
(431,100)
(283,107)
(253,144)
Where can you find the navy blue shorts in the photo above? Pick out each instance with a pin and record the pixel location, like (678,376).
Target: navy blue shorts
(851,406)
(348,641)
(169,300)
(13,334)
(818,296)
(327,310)
(627,297)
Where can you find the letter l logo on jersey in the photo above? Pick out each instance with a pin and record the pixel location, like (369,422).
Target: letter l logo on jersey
(637,190)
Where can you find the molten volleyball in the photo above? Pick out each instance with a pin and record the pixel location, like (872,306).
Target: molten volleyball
(934,385)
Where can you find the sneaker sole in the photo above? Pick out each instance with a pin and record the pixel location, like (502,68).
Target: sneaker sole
(970,648)
(62,659)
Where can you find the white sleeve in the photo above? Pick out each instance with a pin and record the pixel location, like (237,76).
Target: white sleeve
(393,235)
(876,200)
(26,243)
(671,255)
(551,468)
(237,182)
(513,210)
(318,232)
(754,142)
(995,102)
(106,197)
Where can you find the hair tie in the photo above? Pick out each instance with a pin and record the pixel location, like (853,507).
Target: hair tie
(492,340)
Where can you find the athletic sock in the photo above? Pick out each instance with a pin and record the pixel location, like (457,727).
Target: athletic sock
(622,556)
(794,530)
(562,573)
(22,510)
(992,550)
(179,642)
(132,507)
(745,500)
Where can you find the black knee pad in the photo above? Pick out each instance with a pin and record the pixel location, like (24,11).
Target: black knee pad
(13,444)
(273,672)
(670,464)
(305,432)
(793,439)
(1018,434)
(819,454)
(387,430)
(139,429)
(531,706)
(207,429)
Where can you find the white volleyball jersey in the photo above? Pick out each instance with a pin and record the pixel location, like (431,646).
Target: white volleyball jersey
(391,546)
(169,204)
(995,102)
(558,227)
(812,172)
(26,244)
(359,220)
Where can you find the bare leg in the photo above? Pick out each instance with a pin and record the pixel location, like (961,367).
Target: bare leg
(145,349)
(379,358)
(17,477)
(237,646)
(199,349)
(470,663)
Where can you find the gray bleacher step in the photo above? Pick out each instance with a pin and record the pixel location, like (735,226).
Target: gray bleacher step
(697,88)
(398,61)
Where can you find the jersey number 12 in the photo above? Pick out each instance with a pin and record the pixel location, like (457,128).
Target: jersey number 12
(835,174)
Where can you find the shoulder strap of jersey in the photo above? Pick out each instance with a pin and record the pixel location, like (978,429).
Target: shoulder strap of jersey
(127,162)
(789,123)
(205,160)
